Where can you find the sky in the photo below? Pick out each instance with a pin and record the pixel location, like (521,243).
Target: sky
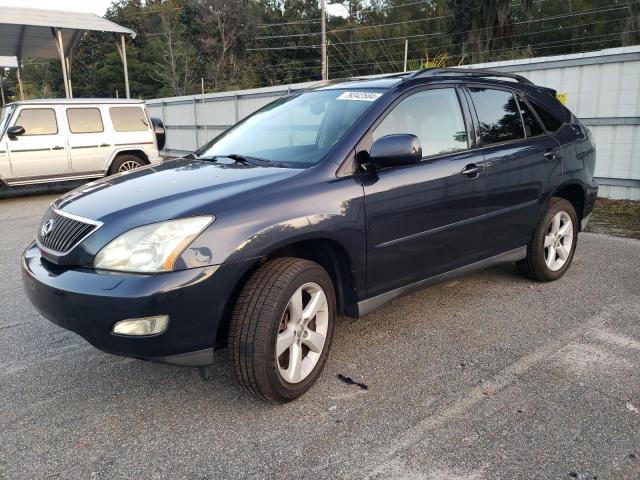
(100,6)
(94,6)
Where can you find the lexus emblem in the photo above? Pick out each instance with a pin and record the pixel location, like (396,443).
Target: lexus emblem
(46,228)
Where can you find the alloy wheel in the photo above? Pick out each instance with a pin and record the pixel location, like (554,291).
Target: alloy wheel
(558,241)
(128,165)
(302,333)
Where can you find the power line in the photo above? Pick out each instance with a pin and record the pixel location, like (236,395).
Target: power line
(340,30)
(448,45)
(403,37)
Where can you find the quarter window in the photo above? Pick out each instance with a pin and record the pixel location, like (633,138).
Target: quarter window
(550,122)
(84,120)
(532,126)
(38,121)
(128,119)
(498,115)
(434,116)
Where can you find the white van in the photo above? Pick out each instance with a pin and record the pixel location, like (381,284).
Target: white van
(68,139)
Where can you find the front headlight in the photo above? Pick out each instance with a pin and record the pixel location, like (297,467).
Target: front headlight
(152,248)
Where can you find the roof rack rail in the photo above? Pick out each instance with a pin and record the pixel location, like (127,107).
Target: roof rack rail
(478,72)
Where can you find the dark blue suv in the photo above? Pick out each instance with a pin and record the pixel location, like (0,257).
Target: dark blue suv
(328,202)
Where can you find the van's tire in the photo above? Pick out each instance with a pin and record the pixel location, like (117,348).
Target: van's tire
(265,316)
(124,163)
(554,241)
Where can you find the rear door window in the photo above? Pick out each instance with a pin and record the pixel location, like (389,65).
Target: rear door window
(128,119)
(84,120)
(38,121)
(532,126)
(498,115)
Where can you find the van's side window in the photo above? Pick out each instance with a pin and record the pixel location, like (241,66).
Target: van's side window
(128,119)
(498,115)
(434,116)
(38,121)
(84,120)
(532,126)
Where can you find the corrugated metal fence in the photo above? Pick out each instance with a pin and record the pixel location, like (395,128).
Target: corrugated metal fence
(602,88)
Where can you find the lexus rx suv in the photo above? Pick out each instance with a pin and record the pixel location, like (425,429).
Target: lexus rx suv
(328,202)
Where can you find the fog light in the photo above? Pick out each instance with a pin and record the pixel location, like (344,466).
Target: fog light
(142,326)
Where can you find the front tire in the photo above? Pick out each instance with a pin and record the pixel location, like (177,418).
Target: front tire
(551,249)
(281,328)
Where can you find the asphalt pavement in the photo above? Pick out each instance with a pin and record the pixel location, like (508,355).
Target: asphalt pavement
(490,376)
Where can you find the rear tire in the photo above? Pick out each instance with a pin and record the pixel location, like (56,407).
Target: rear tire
(286,307)
(551,249)
(124,163)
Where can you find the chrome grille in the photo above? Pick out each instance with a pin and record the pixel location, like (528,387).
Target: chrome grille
(64,231)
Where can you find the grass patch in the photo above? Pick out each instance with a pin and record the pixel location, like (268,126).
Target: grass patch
(615,217)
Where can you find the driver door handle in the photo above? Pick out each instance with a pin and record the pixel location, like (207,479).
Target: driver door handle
(57,148)
(472,170)
(550,154)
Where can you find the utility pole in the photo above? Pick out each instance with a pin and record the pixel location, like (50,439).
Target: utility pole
(325,66)
(406,52)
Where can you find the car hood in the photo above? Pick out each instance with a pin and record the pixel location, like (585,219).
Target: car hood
(168,190)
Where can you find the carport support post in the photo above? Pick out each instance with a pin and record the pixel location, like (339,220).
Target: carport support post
(68,62)
(19,74)
(122,48)
(63,61)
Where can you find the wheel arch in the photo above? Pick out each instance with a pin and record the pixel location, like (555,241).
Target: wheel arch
(136,152)
(326,252)
(335,259)
(574,193)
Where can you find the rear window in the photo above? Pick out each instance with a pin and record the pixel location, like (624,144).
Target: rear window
(84,120)
(38,121)
(550,122)
(498,115)
(128,119)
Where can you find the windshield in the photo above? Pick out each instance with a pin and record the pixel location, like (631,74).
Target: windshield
(295,132)
(5,114)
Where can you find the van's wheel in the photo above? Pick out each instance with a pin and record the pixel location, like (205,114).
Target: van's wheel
(124,163)
(281,328)
(551,249)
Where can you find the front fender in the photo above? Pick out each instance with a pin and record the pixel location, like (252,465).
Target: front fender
(254,229)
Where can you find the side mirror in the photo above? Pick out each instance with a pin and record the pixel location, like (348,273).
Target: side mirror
(396,150)
(159,130)
(15,131)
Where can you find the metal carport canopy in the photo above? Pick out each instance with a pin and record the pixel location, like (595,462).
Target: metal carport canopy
(39,33)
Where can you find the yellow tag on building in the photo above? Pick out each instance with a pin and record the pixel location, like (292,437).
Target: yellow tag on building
(562,97)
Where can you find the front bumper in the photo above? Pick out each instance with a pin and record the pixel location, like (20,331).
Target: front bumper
(90,302)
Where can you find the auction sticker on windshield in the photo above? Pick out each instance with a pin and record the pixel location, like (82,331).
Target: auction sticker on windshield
(362,96)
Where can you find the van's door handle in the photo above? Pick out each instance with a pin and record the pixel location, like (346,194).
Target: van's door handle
(472,170)
(57,148)
(105,145)
(550,154)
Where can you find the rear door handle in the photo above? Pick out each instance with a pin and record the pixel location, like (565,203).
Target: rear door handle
(472,170)
(550,154)
(105,145)
(57,148)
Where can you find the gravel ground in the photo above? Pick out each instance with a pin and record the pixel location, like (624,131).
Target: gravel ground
(489,376)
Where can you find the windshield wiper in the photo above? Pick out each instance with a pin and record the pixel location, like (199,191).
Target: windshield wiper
(259,162)
(238,158)
(245,159)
